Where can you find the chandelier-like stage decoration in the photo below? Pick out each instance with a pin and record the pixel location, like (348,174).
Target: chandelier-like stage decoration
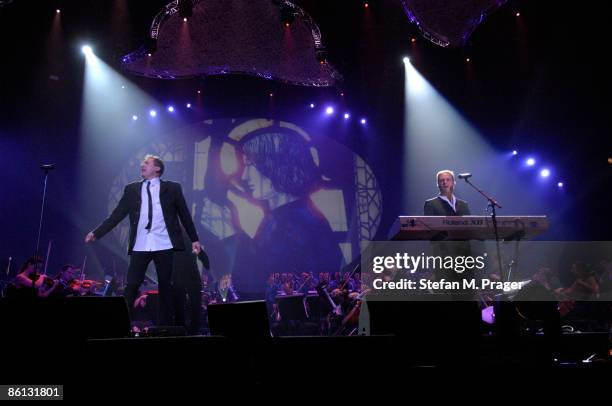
(449,22)
(274,40)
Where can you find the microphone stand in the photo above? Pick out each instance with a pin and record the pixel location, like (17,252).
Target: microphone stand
(493,204)
(46,169)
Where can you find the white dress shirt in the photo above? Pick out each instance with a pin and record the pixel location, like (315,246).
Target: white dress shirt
(452,202)
(157,238)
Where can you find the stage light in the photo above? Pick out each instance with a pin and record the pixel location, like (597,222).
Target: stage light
(150,45)
(406,59)
(363,121)
(271,94)
(347,116)
(185,8)
(560,184)
(518,14)
(153,113)
(287,15)
(530,162)
(413,40)
(171,109)
(610,161)
(366,5)
(123,86)
(185,19)
(86,49)
(57,11)
(545,173)
(312,106)
(199,91)
(515,152)
(188,105)
(329,110)
(467,59)
(134,117)
(321,55)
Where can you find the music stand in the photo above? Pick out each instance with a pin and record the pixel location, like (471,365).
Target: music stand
(239,319)
(292,307)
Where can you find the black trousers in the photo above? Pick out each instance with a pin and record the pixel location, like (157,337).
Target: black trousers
(139,261)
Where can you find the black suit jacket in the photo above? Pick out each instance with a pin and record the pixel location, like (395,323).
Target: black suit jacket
(438,207)
(173,207)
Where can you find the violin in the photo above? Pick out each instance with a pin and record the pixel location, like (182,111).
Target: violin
(87,285)
(34,277)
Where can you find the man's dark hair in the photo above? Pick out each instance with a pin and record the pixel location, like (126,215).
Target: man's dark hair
(30,261)
(286,159)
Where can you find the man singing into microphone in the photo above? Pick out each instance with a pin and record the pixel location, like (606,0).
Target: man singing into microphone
(155,208)
(446,204)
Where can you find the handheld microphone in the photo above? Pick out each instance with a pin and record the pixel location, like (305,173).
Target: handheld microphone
(47,167)
(464,175)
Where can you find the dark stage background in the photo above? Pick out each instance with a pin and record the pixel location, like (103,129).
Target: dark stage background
(540,87)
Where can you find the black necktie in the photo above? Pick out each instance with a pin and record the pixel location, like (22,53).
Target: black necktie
(148,227)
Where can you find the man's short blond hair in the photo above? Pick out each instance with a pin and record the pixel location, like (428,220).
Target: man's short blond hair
(451,173)
(158,162)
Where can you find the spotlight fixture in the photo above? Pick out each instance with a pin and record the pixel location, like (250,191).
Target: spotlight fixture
(545,173)
(287,14)
(321,55)
(153,113)
(329,110)
(530,162)
(185,8)
(363,121)
(347,116)
(150,45)
(171,109)
(560,184)
(515,152)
